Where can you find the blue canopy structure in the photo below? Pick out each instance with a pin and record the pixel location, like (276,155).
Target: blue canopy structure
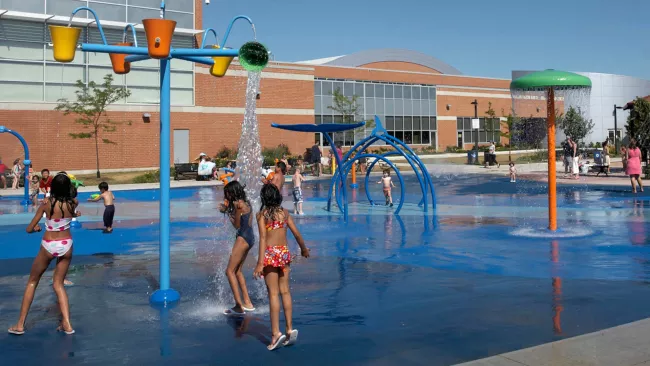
(357,152)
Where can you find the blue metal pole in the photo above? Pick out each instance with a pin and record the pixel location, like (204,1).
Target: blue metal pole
(211,52)
(136,58)
(201,60)
(26,200)
(205,35)
(225,37)
(165,294)
(100,48)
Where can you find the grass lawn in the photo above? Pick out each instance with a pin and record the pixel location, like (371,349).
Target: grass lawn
(91,180)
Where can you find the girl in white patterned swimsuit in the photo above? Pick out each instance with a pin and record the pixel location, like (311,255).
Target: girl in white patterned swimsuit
(59,210)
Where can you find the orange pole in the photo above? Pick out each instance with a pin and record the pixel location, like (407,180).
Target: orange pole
(354,173)
(552,198)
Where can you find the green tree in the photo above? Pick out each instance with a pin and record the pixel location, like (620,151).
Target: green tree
(90,109)
(348,108)
(574,124)
(509,125)
(491,122)
(638,122)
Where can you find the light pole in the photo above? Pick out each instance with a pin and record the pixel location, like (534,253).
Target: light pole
(475,102)
(616,127)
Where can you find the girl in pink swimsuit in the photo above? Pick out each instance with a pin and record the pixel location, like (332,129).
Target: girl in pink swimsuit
(274,261)
(59,209)
(633,169)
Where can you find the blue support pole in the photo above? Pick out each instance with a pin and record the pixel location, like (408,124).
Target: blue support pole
(26,201)
(100,48)
(225,37)
(136,58)
(348,165)
(343,209)
(211,52)
(165,294)
(200,60)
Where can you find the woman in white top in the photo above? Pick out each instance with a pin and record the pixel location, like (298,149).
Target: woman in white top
(16,172)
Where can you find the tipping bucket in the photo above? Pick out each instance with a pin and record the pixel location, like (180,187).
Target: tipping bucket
(117,60)
(253,56)
(220,65)
(64,42)
(159,36)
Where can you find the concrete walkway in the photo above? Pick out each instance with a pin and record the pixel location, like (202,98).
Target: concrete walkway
(625,345)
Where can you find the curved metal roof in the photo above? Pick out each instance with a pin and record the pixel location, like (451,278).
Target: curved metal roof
(388,54)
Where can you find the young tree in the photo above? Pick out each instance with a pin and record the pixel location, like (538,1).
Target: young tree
(509,124)
(349,107)
(491,122)
(90,109)
(638,123)
(528,131)
(574,124)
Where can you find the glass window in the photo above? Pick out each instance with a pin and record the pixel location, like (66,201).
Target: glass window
(143,95)
(328,102)
(349,138)
(407,92)
(327,88)
(468,123)
(318,119)
(433,123)
(390,123)
(358,89)
(408,137)
(417,137)
(417,123)
(182,96)
(20,50)
(417,108)
(183,20)
(408,123)
(348,89)
(482,136)
(481,124)
(432,93)
(408,107)
(147,3)
(399,135)
(18,71)
(110,12)
(379,90)
(391,133)
(424,107)
(328,119)
(390,106)
(389,91)
(326,143)
(398,91)
(370,106)
(62,7)
(29,6)
(20,91)
(338,119)
(399,107)
(425,93)
(416,92)
(143,78)
(459,124)
(379,106)
(317,138)
(67,74)
(399,123)
(317,87)
(425,123)
(318,107)
(432,107)
(338,86)
(425,137)
(370,90)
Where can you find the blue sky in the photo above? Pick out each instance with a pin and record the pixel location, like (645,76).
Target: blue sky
(480,37)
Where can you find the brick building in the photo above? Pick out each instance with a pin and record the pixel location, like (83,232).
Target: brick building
(421,99)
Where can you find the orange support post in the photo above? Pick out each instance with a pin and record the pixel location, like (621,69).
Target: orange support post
(354,175)
(552,198)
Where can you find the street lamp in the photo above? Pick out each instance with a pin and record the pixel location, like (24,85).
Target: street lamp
(475,102)
(616,127)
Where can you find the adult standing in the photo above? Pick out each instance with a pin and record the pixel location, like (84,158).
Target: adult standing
(16,173)
(3,179)
(575,160)
(316,155)
(568,152)
(492,155)
(633,157)
(606,159)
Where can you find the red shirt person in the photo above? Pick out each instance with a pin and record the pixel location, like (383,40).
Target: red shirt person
(46,182)
(3,168)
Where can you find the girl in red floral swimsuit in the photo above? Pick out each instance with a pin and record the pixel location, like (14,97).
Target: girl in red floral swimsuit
(274,260)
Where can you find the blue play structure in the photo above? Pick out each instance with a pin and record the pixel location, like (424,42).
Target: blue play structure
(3,129)
(252,57)
(357,152)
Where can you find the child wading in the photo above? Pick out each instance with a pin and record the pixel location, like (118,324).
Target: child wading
(513,172)
(239,209)
(387,182)
(297,192)
(59,210)
(109,207)
(274,260)
(33,190)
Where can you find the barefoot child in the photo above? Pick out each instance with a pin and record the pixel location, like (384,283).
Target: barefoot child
(387,181)
(59,210)
(513,172)
(33,190)
(278,177)
(274,260)
(239,209)
(109,207)
(297,192)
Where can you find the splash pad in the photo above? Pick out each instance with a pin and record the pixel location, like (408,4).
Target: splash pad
(549,84)
(159,34)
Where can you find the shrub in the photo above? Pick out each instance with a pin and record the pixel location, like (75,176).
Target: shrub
(226,153)
(453,149)
(272,153)
(148,177)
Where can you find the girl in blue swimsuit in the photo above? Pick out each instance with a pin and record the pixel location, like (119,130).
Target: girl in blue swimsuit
(239,209)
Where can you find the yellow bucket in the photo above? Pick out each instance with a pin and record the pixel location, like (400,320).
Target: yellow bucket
(220,65)
(64,41)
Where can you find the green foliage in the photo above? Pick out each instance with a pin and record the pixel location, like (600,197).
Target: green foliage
(148,177)
(349,107)
(638,122)
(90,109)
(272,153)
(226,153)
(492,123)
(574,124)
(454,149)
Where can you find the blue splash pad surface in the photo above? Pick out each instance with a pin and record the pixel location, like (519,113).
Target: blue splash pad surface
(449,287)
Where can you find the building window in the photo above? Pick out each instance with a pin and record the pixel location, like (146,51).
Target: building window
(610,134)
(489,130)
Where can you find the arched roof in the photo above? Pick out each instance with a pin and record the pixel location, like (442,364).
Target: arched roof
(361,58)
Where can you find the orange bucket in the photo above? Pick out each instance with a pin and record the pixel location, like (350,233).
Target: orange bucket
(117,60)
(220,65)
(159,36)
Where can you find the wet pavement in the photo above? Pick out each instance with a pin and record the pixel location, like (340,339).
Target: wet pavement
(477,278)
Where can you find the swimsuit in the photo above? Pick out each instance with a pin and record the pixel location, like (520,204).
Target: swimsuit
(277,256)
(57,247)
(109,212)
(297,195)
(245,230)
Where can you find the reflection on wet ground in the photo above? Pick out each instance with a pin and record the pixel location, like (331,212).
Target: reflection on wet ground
(381,289)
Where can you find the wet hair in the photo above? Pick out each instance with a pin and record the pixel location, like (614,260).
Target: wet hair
(632,143)
(512,163)
(282,166)
(271,201)
(103,186)
(16,161)
(234,191)
(45,170)
(35,176)
(63,191)
(387,171)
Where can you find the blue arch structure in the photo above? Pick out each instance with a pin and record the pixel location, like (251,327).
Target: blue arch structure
(379,133)
(26,201)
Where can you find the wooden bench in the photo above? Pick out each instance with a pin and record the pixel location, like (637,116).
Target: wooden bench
(186,171)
